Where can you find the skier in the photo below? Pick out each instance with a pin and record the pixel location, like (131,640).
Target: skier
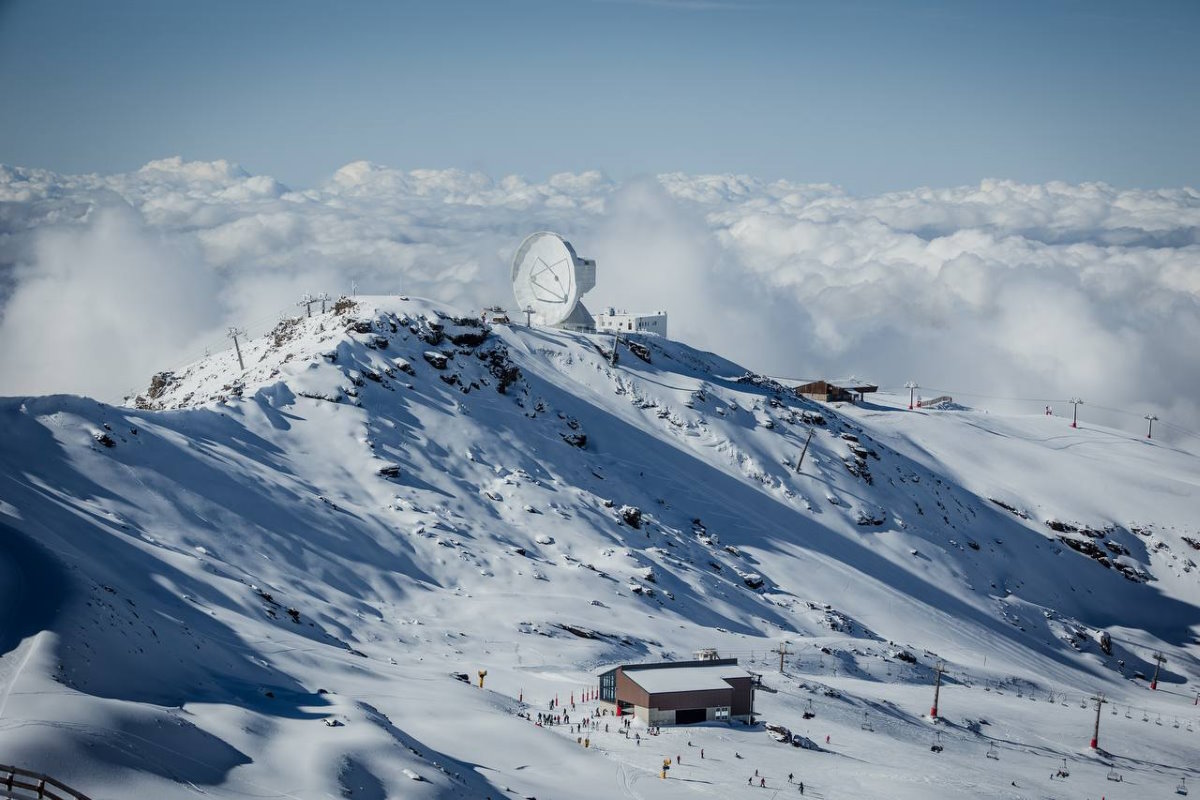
(801,787)
(789,777)
(762,782)
(701,753)
(826,739)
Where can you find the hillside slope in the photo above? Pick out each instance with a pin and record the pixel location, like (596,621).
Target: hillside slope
(390,492)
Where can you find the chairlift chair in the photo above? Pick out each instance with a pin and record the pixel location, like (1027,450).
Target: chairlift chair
(1114,776)
(936,747)
(1189,726)
(1176,725)
(1082,703)
(991,752)
(1145,716)
(1159,720)
(1128,715)
(866,723)
(1182,787)
(1063,772)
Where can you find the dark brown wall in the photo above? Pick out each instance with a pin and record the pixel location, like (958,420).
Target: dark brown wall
(707,698)
(743,693)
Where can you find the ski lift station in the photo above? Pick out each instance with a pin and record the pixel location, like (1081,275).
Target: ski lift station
(836,390)
(681,692)
(548,280)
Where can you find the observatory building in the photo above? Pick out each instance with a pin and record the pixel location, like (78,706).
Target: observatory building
(548,280)
(613,321)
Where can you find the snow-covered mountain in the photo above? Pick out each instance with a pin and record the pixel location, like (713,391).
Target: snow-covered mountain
(261,579)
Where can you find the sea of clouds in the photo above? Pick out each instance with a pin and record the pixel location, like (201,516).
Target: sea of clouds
(1001,290)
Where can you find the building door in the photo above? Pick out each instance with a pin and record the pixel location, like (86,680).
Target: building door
(689,716)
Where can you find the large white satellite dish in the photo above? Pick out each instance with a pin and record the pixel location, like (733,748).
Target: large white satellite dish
(548,279)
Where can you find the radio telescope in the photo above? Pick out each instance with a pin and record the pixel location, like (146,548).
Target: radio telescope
(548,279)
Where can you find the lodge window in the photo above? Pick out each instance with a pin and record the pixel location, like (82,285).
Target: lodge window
(608,687)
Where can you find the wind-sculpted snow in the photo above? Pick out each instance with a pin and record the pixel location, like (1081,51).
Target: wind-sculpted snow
(1002,289)
(269,577)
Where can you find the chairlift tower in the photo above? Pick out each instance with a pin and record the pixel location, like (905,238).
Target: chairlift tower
(1159,660)
(234,333)
(937,688)
(1150,428)
(783,651)
(1099,699)
(912,387)
(1076,402)
(800,460)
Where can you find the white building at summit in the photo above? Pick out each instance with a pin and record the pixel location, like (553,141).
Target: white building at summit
(548,280)
(612,321)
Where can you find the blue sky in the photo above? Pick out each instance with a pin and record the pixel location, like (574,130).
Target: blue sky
(870,95)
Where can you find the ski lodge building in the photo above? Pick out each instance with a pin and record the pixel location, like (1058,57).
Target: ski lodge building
(612,321)
(836,390)
(681,692)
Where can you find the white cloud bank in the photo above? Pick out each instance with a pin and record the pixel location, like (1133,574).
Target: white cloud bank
(1003,289)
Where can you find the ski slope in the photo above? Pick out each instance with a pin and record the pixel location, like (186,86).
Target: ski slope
(258,581)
